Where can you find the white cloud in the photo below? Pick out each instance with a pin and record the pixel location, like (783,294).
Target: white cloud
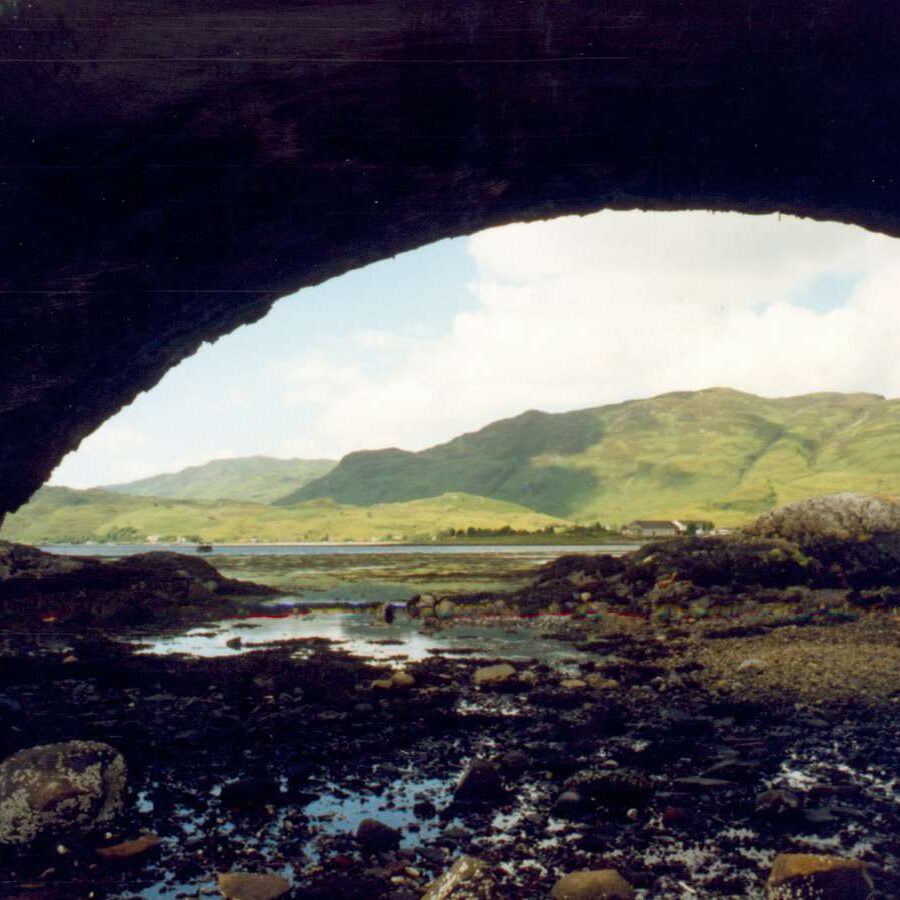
(579,312)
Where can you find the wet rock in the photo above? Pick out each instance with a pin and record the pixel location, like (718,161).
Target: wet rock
(802,876)
(398,681)
(600,884)
(250,793)
(739,770)
(385,613)
(573,684)
(515,762)
(494,676)
(251,886)
(128,850)
(376,837)
(424,809)
(776,804)
(569,805)
(598,682)
(676,817)
(445,609)
(614,789)
(467,879)
(59,789)
(481,782)
(697,784)
(234,643)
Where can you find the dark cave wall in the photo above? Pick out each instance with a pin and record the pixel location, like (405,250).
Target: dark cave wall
(167,171)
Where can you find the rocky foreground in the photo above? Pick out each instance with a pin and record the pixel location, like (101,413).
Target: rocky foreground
(725,726)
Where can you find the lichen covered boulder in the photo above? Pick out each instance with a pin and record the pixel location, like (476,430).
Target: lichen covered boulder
(845,516)
(55,790)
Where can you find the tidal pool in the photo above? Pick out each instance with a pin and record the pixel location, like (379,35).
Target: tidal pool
(360,634)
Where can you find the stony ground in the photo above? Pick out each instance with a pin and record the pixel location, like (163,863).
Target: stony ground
(685,757)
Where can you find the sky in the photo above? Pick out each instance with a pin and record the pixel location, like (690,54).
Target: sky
(558,315)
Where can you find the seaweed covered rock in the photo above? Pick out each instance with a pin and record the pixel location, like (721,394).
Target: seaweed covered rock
(676,573)
(131,590)
(844,516)
(62,789)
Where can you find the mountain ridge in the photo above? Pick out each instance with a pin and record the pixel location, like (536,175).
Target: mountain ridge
(258,478)
(717,453)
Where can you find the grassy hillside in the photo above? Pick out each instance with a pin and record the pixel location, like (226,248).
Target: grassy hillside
(63,515)
(717,454)
(261,479)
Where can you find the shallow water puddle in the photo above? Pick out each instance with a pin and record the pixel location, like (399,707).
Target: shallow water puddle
(359,634)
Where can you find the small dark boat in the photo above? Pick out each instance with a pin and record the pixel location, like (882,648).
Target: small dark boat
(204,548)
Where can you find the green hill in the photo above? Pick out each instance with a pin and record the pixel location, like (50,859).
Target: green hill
(716,454)
(63,515)
(261,479)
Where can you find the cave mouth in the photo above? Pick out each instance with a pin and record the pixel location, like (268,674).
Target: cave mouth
(565,314)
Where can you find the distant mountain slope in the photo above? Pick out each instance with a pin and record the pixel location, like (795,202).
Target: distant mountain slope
(718,454)
(493,462)
(261,479)
(63,515)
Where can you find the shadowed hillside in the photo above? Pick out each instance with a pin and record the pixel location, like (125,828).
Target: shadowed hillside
(718,454)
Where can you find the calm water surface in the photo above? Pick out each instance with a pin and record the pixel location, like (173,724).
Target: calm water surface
(543,550)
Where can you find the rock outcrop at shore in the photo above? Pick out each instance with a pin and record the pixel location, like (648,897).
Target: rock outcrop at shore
(844,516)
(842,550)
(38,586)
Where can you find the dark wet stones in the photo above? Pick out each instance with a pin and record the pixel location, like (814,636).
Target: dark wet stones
(250,793)
(126,851)
(776,804)
(569,805)
(739,770)
(480,783)
(515,762)
(616,790)
(61,789)
(376,837)
(803,876)
(696,784)
(600,884)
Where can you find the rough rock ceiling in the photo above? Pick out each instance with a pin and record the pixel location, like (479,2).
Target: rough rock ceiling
(168,170)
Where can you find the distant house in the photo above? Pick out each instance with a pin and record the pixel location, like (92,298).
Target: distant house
(652,528)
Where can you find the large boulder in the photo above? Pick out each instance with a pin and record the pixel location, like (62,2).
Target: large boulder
(807,876)
(844,516)
(56,790)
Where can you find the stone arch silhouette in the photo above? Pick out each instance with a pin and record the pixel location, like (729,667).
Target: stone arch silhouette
(167,171)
